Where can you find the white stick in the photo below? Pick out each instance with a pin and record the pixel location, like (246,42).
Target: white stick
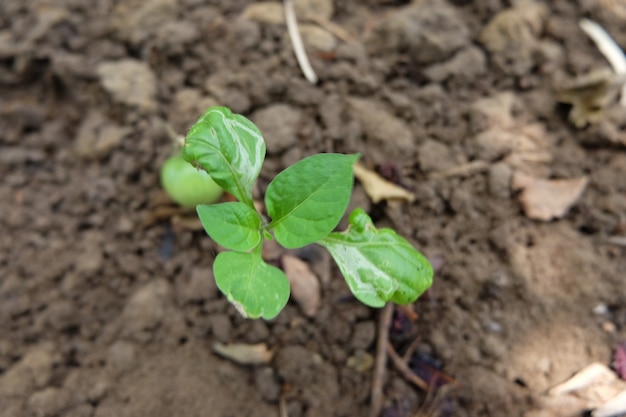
(608,47)
(296,41)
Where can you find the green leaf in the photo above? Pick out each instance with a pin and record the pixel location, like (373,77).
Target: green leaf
(307,200)
(378,265)
(233,225)
(230,148)
(255,288)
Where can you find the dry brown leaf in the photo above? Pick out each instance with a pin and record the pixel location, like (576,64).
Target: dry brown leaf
(547,199)
(590,95)
(378,188)
(305,287)
(244,354)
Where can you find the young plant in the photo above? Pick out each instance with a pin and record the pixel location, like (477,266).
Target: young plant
(305,202)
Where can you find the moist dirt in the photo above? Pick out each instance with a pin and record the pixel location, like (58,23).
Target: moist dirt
(108,305)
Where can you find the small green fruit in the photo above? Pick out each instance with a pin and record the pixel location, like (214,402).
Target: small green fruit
(186,185)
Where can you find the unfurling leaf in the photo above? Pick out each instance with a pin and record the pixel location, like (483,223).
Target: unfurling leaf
(255,288)
(378,265)
(235,226)
(230,148)
(307,200)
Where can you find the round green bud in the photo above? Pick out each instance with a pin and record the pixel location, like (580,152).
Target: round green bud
(187,185)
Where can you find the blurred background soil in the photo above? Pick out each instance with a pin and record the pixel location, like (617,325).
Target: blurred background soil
(107,302)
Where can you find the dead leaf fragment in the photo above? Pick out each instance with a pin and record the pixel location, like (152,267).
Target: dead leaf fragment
(244,354)
(305,287)
(378,188)
(590,95)
(595,373)
(595,387)
(547,199)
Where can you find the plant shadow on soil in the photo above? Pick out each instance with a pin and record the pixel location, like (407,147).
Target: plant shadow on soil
(105,314)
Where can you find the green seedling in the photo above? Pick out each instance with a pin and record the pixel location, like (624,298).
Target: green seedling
(186,185)
(305,202)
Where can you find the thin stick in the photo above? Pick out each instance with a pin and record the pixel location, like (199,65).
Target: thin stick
(410,350)
(336,30)
(466,169)
(282,407)
(608,47)
(384,321)
(403,368)
(296,42)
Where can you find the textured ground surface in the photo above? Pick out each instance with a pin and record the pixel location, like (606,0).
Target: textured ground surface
(108,309)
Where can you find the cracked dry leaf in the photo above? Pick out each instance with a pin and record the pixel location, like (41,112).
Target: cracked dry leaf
(547,199)
(305,287)
(590,95)
(378,188)
(244,354)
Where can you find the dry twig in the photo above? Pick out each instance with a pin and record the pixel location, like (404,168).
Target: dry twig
(296,42)
(404,369)
(465,169)
(331,27)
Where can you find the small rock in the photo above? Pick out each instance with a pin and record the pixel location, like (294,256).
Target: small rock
(227,88)
(258,332)
(317,38)
(91,256)
(511,36)
(97,136)
(383,127)
(129,82)
(247,32)
(48,402)
(468,64)
(137,21)
(322,8)
(434,156)
(173,36)
(490,112)
(361,361)
(431,31)
(198,286)
(188,104)
(268,12)
(363,336)
(146,310)
(495,143)
(266,383)
(500,180)
(81,410)
(122,355)
(33,371)
(305,286)
(279,124)
(221,327)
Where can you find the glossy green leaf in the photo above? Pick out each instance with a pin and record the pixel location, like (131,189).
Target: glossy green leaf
(255,288)
(233,225)
(378,265)
(230,148)
(307,200)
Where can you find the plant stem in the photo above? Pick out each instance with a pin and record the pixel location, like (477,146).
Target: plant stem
(384,321)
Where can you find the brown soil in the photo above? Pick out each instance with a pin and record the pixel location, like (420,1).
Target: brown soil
(108,309)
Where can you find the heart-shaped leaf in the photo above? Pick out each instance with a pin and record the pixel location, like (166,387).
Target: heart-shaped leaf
(255,288)
(307,200)
(233,225)
(378,265)
(230,148)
